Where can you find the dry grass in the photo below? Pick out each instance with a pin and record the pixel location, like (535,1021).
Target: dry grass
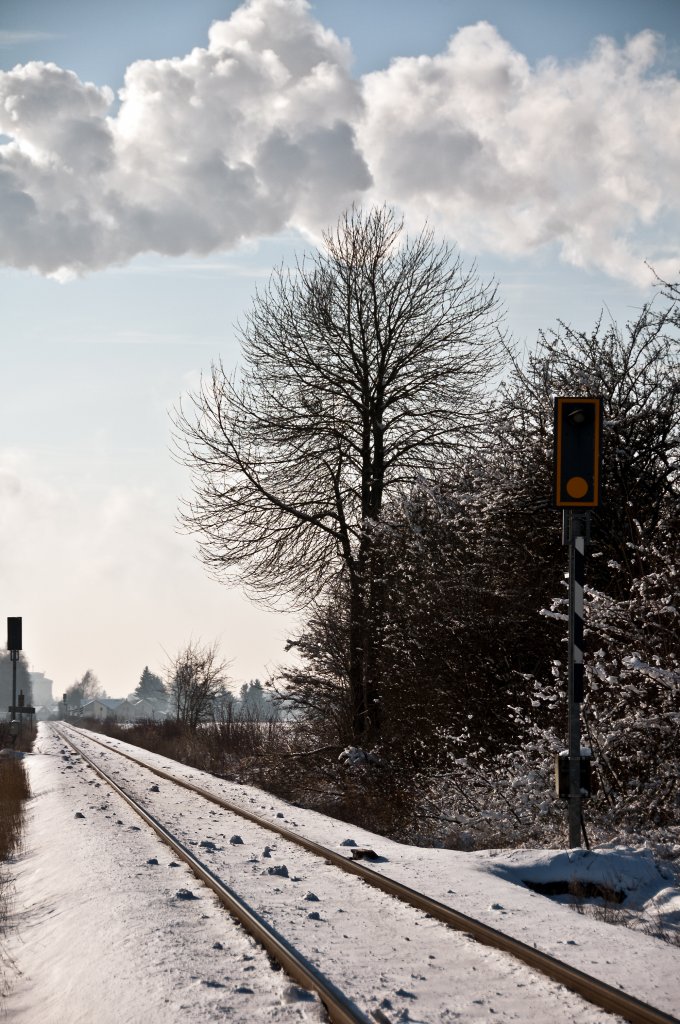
(610,911)
(14,788)
(14,791)
(278,757)
(23,742)
(220,747)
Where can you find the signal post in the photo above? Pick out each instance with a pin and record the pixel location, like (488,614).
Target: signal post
(578,426)
(14,646)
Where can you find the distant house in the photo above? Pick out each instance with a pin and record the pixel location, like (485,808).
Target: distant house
(137,710)
(145,709)
(125,712)
(100,708)
(122,710)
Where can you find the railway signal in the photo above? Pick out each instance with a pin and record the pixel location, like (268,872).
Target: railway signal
(578,425)
(14,646)
(14,633)
(577,448)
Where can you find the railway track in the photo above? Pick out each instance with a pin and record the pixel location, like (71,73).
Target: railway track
(340,1008)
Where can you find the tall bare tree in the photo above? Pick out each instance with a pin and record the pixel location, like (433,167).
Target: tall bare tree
(196,677)
(85,689)
(362,368)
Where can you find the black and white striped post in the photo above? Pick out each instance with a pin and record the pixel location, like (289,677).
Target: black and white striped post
(576,532)
(577,490)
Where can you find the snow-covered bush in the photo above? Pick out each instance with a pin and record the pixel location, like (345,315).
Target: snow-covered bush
(468,623)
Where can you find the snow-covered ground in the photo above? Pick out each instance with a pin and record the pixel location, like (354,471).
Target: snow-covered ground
(104,927)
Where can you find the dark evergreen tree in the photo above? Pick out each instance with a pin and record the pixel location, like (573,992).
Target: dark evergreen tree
(255,700)
(151,687)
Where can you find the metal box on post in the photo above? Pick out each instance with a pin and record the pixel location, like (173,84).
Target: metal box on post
(586,778)
(14,633)
(578,426)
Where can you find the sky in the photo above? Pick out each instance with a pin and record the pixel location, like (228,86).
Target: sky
(158,159)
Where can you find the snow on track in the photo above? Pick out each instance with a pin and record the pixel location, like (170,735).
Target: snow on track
(381,952)
(487,885)
(106,928)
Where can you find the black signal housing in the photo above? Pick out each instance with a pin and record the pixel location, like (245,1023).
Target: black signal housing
(578,428)
(14,633)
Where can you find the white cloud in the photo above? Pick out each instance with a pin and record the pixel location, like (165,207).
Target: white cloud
(508,158)
(232,141)
(265,129)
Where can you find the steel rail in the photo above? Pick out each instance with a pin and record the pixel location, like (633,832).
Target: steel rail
(592,989)
(341,1010)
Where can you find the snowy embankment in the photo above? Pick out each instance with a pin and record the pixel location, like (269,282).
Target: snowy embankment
(104,927)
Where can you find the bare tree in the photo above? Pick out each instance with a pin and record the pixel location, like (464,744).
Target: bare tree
(85,689)
(196,676)
(362,369)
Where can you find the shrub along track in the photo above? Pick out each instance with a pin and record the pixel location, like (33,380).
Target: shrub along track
(14,792)
(341,1009)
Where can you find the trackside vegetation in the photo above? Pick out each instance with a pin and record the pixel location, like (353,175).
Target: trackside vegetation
(384,464)
(14,792)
